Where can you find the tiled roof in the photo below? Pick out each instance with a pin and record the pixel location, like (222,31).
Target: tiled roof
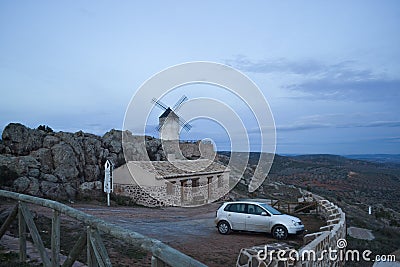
(178,168)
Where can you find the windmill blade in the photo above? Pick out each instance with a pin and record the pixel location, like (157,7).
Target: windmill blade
(158,128)
(179,103)
(159,104)
(185,125)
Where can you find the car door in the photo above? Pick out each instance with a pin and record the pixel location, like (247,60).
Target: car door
(237,216)
(257,219)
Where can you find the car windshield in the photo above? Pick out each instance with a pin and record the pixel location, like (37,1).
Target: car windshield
(271,210)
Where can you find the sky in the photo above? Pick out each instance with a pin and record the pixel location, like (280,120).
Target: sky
(329,70)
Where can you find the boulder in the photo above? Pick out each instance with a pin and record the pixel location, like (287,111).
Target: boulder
(21,140)
(53,190)
(112,140)
(70,191)
(93,150)
(21,184)
(49,177)
(27,185)
(61,165)
(23,165)
(45,158)
(91,172)
(65,162)
(2,147)
(50,141)
(95,185)
(34,172)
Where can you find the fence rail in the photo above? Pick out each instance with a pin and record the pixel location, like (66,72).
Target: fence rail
(162,254)
(318,242)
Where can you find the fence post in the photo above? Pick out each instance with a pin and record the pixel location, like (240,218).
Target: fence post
(76,250)
(21,234)
(11,217)
(55,239)
(156,262)
(91,258)
(37,240)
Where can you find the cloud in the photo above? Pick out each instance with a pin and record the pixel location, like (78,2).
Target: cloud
(344,80)
(380,124)
(351,90)
(275,65)
(309,126)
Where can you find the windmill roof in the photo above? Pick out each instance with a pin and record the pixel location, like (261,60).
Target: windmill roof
(167,112)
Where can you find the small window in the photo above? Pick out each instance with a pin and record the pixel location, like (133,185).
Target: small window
(195,184)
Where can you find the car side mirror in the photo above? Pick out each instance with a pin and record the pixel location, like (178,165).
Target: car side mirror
(264,213)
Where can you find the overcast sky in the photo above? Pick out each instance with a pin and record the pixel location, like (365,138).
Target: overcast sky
(330,70)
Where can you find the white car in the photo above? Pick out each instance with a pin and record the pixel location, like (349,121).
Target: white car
(256,217)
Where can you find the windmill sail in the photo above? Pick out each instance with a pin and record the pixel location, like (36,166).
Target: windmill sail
(167,110)
(179,103)
(159,104)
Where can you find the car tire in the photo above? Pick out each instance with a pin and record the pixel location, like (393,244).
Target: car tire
(279,232)
(223,227)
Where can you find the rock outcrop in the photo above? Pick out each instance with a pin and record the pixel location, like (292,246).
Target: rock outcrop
(64,166)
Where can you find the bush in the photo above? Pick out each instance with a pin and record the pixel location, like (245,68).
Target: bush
(45,128)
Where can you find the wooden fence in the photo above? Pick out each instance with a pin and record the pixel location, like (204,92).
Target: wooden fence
(314,244)
(162,254)
(294,207)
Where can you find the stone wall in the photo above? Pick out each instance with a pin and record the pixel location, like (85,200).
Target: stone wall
(318,242)
(158,196)
(137,194)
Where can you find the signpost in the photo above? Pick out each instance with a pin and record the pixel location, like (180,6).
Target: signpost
(108,179)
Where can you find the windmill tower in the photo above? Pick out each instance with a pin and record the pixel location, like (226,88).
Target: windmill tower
(169,123)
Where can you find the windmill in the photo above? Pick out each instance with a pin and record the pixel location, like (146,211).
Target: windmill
(169,122)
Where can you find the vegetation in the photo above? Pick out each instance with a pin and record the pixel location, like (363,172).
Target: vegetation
(45,128)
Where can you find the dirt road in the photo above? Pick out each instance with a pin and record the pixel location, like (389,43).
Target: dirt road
(191,230)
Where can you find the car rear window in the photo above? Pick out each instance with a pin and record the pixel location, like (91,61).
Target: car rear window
(240,208)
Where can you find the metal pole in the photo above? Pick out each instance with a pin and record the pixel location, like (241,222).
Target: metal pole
(108,199)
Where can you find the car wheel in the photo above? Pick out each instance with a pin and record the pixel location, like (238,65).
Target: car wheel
(224,227)
(279,232)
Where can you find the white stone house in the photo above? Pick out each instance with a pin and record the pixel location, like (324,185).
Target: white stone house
(172,183)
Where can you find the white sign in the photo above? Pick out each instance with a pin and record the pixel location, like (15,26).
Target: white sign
(108,179)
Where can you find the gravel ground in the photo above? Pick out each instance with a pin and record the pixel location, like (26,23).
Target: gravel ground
(190,230)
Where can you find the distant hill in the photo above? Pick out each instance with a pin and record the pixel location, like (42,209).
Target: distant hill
(381,158)
(338,177)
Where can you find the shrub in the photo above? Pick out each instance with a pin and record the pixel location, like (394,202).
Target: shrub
(45,128)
